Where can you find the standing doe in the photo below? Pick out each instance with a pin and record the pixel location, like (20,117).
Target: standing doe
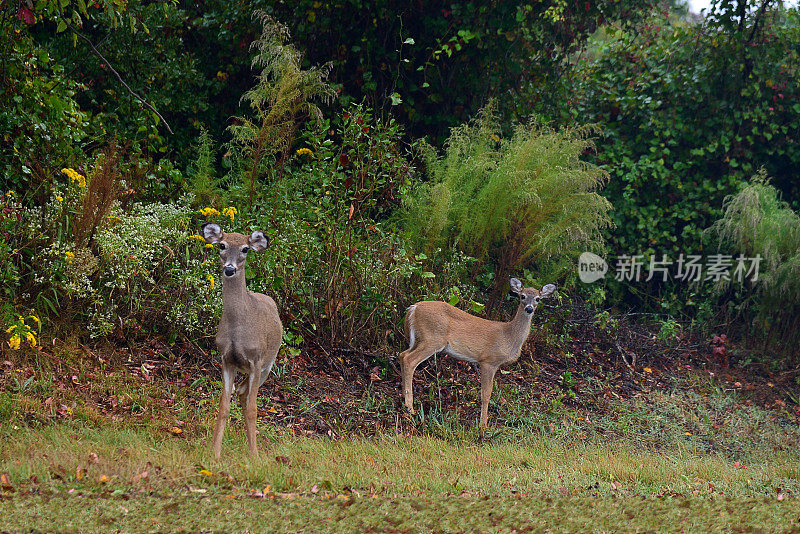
(433,326)
(249,334)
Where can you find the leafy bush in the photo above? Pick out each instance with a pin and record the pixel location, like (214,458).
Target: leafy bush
(341,273)
(681,130)
(43,127)
(528,200)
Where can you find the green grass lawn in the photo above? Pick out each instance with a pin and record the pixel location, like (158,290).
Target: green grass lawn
(85,449)
(69,478)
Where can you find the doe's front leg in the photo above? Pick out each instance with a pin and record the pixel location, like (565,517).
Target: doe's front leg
(228,375)
(251,410)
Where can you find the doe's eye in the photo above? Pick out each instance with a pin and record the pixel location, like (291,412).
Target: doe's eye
(222,246)
(245,249)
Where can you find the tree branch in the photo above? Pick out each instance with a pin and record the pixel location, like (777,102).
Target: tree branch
(97,53)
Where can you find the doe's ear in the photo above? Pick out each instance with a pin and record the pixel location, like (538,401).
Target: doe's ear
(516,285)
(212,233)
(548,290)
(258,241)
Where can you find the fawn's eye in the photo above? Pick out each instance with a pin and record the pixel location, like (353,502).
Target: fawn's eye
(222,246)
(245,249)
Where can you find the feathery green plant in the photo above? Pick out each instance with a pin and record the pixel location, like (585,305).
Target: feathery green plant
(517,202)
(757,222)
(202,172)
(282,97)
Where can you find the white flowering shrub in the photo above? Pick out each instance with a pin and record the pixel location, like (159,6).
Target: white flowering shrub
(141,272)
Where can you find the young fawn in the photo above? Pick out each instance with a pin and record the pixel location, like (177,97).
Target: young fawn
(433,326)
(249,334)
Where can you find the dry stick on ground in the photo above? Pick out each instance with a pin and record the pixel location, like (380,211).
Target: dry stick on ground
(96,52)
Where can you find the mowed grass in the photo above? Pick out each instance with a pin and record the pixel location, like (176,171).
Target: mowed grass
(71,478)
(506,513)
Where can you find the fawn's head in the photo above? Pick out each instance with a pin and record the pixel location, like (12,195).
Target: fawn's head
(233,247)
(530,297)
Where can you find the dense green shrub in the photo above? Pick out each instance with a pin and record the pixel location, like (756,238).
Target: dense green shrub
(689,112)
(341,272)
(41,124)
(520,202)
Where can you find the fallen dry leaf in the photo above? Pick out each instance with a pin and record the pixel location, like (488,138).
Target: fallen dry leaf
(175,431)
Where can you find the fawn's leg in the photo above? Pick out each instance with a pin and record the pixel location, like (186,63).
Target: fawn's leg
(487,383)
(409,360)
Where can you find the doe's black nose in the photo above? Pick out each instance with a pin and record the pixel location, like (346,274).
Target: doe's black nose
(229,270)
(529,309)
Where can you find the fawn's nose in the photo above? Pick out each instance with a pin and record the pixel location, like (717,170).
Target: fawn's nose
(529,309)
(229,270)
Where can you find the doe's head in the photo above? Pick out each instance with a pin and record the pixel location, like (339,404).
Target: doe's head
(529,297)
(233,247)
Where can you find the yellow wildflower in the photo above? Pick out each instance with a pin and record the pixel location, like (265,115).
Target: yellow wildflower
(35,319)
(30,338)
(70,256)
(304,152)
(210,282)
(14,341)
(495,137)
(197,237)
(60,198)
(112,218)
(207,212)
(209,245)
(231,212)
(10,193)
(75,176)
(10,328)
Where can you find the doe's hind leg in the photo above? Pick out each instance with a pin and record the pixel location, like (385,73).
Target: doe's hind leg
(409,360)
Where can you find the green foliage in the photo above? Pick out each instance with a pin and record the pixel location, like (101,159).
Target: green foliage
(689,112)
(757,222)
(669,330)
(335,262)
(433,65)
(42,126)
(203,184)
(280,100)
(148,45)
(528,200)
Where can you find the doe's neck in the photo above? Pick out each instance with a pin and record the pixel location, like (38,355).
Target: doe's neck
(234,289)
(521,324)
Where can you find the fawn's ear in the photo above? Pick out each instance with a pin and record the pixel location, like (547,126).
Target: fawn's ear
(516,285)
(258,241)
(548,290)
(212,233)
